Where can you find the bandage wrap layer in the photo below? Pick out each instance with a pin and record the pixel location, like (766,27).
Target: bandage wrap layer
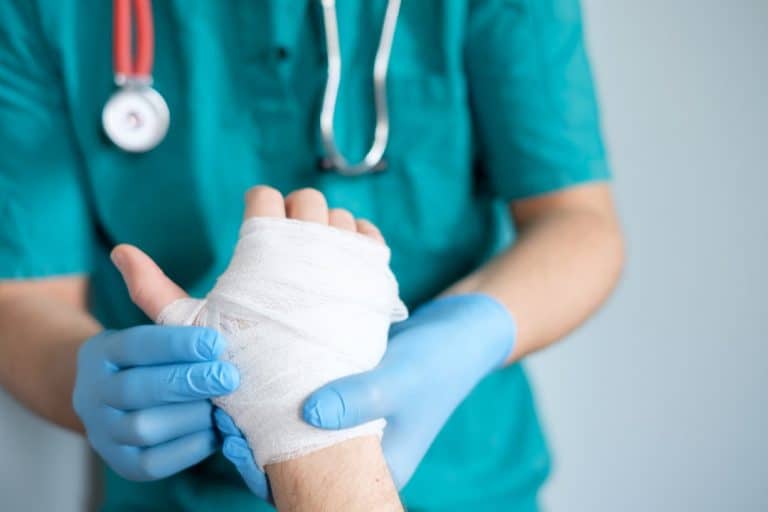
(301,304)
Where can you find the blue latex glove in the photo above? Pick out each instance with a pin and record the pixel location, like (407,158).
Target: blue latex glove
(143,396)
(236,449)
(433,360)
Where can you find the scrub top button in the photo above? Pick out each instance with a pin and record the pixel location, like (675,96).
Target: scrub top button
(281,53)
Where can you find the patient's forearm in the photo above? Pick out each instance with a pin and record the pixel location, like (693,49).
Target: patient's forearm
(350,476)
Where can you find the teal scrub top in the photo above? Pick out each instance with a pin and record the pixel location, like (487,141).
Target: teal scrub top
(490,101)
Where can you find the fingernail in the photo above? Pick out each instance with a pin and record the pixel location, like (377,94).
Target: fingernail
(117,259)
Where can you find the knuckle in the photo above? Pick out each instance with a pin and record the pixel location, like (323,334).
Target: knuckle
(89,349)
(308,195)
(373,394)
(139,429)
(342,214)
(368,225)
(138,290)
(263,194)
(117,343)
(119,395)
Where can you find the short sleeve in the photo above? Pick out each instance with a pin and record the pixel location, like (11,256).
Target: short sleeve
(533,98)
(44,223)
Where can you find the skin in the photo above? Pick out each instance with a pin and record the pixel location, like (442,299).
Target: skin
(565,263)
(567,259)
(349,476)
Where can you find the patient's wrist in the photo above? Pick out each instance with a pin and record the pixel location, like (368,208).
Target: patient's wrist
(349,476)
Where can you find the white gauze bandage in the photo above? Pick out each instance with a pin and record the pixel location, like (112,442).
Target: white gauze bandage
(301,304)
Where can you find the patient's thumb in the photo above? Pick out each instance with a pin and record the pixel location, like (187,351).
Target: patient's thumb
(150,289)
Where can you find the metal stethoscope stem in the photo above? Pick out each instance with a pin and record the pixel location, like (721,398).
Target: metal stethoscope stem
(375,154)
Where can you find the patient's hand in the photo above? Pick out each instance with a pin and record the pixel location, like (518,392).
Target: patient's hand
(350,475)
(151,290)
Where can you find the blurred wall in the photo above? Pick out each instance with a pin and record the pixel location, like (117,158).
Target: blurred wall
(660,402)
(42,468)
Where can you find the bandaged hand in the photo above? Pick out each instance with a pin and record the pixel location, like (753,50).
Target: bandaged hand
(308,298)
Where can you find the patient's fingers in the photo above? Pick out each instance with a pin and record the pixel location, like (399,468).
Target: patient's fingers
(307,204)
(150,289)
(342,219)
(365,227)
(263,201)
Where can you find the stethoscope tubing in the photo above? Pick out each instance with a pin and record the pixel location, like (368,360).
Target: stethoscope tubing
(136,117)
(137,106)
(125,66)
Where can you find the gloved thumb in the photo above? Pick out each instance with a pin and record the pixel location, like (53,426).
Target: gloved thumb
(349,401)
(150,289)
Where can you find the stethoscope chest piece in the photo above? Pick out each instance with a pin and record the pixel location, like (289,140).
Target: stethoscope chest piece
(136,118)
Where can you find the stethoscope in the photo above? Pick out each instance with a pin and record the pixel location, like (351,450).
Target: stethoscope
(136,118)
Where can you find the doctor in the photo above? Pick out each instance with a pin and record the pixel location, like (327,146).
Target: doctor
(489,128)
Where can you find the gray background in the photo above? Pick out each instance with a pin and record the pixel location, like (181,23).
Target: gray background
(659,402)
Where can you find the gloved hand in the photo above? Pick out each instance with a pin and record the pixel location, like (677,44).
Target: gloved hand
(143,395)
(433,360)
(236,449)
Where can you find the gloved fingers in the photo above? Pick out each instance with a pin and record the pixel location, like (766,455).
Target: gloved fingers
(150,289)
(154,345)
(161,461)
(156,425)
(264,201)
(350,401)
(226,424)
(236,450)
(149,386)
